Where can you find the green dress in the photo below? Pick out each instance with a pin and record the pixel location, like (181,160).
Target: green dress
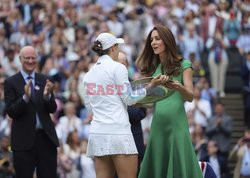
(169,152)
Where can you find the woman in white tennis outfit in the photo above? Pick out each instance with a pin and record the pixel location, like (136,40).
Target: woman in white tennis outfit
(107,92)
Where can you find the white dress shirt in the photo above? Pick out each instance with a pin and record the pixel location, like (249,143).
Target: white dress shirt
(203,105)
(215,165)
(107,92)
(9,70)
(67,125)
(212,25)
(243,42)
(245,167)
(88,167)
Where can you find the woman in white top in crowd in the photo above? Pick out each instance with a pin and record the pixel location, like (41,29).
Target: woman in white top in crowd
(107,92)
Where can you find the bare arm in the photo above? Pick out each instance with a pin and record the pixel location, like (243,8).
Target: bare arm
(187,90)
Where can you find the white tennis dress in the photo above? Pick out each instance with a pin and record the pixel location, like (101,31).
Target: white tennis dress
(107,92)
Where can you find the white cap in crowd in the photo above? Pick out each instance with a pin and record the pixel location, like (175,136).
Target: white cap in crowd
(107,40)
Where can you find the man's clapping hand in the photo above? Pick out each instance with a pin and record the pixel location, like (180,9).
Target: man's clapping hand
(27,88)
(48,89)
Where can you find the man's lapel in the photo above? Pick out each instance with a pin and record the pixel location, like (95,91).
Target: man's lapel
(38,87)
(20,82)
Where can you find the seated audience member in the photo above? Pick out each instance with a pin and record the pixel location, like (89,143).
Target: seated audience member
(200,108)
(64,163)
(198,71)
(199,141)
(219,129)
(207,92)
(68,123)
(245,75)
(207,170)
(85,164)
(72,150)
(241,153)
(217,162)
(6,159)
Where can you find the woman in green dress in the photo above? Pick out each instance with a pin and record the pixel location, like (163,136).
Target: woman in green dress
(169,151)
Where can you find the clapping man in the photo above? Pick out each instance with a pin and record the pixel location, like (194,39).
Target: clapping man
(29,101)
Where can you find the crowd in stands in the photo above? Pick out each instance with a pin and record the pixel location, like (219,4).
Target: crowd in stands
(62,32)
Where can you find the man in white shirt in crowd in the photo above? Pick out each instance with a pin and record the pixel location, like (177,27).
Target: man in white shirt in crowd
(200,108)
(241,153)
(68,123)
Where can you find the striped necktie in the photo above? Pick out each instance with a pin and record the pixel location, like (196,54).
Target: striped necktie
(32,88)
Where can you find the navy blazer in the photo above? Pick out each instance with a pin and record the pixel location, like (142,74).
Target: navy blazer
(207,170)
(23,128)
(223,165)
(135,117)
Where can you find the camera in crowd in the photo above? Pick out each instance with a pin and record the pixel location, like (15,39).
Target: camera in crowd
(4,163)
(139,10)
(246,140)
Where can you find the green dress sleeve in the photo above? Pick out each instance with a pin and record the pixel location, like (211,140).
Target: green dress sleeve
(186,64)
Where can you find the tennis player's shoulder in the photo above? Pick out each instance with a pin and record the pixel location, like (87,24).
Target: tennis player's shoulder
(119,66)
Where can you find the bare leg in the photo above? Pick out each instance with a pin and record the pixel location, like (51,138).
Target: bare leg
(104,167)
(126,165)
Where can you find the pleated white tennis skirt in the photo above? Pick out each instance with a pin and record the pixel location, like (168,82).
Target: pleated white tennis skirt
(109,144)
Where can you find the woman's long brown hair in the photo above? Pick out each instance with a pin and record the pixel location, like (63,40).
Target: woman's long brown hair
(147,62)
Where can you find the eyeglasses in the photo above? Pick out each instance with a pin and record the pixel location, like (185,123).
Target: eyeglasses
(28,58)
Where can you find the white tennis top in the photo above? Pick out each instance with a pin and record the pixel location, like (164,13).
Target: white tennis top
(107,92)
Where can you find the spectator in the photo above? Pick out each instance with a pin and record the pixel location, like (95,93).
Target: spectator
(243,43)
(219,129)
(75,98)
(10,64)
(232,29)
(29,101)
(25,8)
(199,141)
(20,37)
(72,87)
(193,5)
(64,163)
(210,23)
(207,170)
(114,24)
(218,61)
(72,150)
(86,164)
(3,41)
(35,21)
(198,71)
(245,75)
(199,107)
(208,93)
(133,22)
(2,104)
(191,43)
(68,123)
(240,153)
(5,125)
(6,160)
(223,7)
(217,162)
